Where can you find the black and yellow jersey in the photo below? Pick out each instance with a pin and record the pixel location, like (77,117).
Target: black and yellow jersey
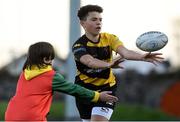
(102,50)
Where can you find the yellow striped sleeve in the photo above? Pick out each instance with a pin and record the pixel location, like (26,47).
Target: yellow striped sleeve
(115,42)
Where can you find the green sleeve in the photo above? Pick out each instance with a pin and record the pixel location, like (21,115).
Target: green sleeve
(61,85)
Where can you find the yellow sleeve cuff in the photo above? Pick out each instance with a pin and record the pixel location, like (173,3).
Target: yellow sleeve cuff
(96,97)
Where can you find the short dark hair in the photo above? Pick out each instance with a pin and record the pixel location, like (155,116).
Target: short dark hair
(36,54)
(84,10)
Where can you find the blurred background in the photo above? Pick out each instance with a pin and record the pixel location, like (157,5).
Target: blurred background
(145,91)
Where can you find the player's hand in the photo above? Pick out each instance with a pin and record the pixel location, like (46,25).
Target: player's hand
(106,97)
(116,62)
(153,57)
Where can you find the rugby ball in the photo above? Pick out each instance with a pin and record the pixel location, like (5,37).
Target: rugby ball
(151,41)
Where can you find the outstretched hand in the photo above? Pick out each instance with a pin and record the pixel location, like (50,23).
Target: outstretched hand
(106,97)
(116,62)
(153,57)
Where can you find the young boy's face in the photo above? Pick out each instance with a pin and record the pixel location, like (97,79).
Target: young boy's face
(93,23)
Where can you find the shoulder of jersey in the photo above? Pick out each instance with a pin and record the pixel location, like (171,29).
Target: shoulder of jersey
(106,35)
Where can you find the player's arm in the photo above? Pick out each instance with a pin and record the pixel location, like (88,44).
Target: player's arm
(92,62)
(61,85)
(129,54)
(132,55)
(81,55)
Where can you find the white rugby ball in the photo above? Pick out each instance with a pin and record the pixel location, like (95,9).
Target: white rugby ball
(151,41)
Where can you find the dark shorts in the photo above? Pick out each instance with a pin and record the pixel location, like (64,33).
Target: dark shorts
(85,107)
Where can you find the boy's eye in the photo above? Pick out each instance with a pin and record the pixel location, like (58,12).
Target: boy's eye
(94,19)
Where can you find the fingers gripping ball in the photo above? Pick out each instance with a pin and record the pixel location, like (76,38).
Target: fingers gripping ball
(151,41)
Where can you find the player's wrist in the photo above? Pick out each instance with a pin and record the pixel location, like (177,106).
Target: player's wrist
(142,57)
(109,65)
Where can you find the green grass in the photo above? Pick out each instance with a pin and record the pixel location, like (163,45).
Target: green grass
(3,106)
(122,112)
(56,112)
(127,112)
